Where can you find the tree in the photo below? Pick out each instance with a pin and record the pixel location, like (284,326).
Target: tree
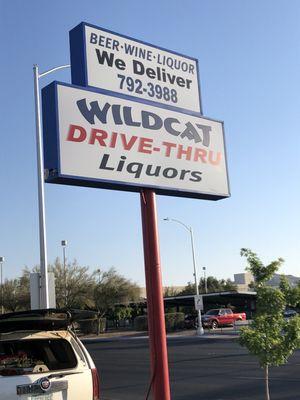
(292,294)
(10,299)
(213,285)
(170,291)
(74,285)
(113,289)
(270,338)
(189,289)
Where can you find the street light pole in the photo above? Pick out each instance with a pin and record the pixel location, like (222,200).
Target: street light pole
(44,295)
(64,244)
(205,279)
(1,264)
(200,330)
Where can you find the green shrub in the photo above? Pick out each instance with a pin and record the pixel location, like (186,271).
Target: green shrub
(173,322)
(141,323)
(95,326)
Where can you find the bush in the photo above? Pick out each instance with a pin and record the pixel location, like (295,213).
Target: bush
(173,322)
(95,326)
(141,323)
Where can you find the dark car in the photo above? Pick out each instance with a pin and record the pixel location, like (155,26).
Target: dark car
(190,321)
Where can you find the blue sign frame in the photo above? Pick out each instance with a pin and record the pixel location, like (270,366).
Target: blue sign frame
(52,151)
(79,62)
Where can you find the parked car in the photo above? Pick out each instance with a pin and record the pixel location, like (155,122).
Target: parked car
(190,321)
(41,358)
(221,317)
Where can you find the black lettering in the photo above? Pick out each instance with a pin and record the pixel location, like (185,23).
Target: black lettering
(104,57)
(156,171)
(116,111)
(103,164)
(191,133)
(121,163)
(146,122)
(183,173)
(188,83)
(135,168)
(94,111)
(120,64)
(168,126)
(196,175)
(138,67)
(172,78)
(128,117)
(129,49)
(93,38)
(150,73)
(173,171)
(180,81)
(206,134)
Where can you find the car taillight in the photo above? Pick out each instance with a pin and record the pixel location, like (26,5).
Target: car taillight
(96,386)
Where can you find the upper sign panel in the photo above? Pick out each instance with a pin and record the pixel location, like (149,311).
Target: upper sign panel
(110,61)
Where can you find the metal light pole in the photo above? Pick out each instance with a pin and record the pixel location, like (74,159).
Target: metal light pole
(1,265)
(44,303)
(205,280)
(64,244)
(99,275)
(200,330)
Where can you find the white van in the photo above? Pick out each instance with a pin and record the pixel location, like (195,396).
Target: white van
(42,359)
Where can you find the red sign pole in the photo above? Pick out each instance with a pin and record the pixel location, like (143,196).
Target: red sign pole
(155,304)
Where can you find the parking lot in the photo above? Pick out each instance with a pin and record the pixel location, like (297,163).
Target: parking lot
(200,369)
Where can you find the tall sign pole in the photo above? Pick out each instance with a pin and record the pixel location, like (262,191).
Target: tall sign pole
(155,303)
(44,294)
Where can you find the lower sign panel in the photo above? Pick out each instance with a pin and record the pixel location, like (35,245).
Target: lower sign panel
(92,138)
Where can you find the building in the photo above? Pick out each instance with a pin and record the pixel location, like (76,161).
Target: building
(243,281)
(236,300)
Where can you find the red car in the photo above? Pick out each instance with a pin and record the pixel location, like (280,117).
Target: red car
(221,317)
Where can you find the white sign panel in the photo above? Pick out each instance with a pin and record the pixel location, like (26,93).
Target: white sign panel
(103,140)
(117,63)
(198,302)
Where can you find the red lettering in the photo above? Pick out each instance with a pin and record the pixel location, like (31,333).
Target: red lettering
(74,131)
(113,140)
(99,135)
(187,152)
(200,153)
(218,159)
(168,147)
(145,143)
(127,145)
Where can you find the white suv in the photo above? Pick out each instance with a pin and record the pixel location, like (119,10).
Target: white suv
(42,359)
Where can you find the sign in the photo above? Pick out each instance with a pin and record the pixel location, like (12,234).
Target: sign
(107,60)
(92,138)
(198,302)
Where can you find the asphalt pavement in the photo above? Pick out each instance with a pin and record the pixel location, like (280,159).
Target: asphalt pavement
(206,368)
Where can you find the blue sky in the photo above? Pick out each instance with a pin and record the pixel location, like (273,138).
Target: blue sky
(249,60)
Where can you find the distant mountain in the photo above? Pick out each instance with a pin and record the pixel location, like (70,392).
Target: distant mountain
(293,280)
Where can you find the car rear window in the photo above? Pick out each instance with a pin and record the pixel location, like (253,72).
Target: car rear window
(20,357)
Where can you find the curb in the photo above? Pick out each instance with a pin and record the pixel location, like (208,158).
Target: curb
(122,338)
